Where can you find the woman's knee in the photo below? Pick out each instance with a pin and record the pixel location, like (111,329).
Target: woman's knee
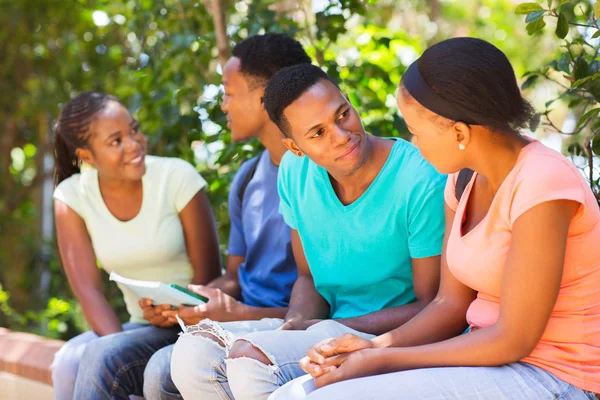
(65,364)
(98,351)
(244,349)
(66,360)
(191,355)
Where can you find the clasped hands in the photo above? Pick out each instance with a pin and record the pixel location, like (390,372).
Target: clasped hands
(346,357)
(220,307)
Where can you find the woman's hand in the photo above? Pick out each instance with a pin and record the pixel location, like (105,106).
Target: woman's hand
(318,355)
(154,314)
(358,364)
(220,307)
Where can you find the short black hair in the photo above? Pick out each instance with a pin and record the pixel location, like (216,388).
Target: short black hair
(477,77)
(286,86)
(261,56)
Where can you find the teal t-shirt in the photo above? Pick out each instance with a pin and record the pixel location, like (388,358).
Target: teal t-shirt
(360,254)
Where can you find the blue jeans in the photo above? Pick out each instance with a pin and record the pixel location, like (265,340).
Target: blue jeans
(518,381)
(133,362)
(66,362)
(202,370)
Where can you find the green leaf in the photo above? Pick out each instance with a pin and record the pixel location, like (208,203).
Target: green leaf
(564,64)
(596,145)
(595,35)
(534,16)
(590,114)
(529,82)
(594,88)
(563,2)
(582,69)
(562,26)
(597,10)
(526,8)
(580,82)
(385,41)
(575,102)
(535,26)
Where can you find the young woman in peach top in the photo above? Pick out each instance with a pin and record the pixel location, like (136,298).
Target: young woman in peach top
(521,261)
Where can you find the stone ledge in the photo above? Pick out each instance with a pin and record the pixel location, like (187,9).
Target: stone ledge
(14,387)
(28,356)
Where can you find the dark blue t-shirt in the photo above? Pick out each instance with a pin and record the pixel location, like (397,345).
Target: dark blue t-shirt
(259,234)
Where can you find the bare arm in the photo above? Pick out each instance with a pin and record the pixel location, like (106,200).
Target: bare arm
(305,303)
(444,317)
(201,238)
(537,255)
(441,319)
(426,279)
(79,263)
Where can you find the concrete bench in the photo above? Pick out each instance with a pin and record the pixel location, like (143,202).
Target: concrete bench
(25,361)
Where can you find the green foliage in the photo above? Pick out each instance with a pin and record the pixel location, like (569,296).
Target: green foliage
(575,70)
(60,318)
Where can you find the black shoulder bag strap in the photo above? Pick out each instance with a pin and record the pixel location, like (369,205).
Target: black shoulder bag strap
(248,178)
(464,177)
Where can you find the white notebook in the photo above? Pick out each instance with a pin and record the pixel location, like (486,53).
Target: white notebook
(158,292)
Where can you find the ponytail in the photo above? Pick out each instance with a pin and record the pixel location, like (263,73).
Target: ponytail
(72,131)
(65,159)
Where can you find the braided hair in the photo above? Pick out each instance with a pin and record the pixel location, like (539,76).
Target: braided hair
(72,131)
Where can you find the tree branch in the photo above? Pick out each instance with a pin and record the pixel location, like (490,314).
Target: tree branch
(319,53)
(590,157)
(216,9)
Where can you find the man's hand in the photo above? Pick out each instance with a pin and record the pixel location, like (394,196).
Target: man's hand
(298,324)
(318,355)
(220,307)
(154,314)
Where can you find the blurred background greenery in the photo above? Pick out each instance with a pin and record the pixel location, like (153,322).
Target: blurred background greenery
(161,58)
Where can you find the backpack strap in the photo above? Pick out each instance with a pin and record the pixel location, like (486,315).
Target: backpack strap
(464,177)
(247,178)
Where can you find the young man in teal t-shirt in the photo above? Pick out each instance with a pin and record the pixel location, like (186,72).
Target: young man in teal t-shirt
(367,224)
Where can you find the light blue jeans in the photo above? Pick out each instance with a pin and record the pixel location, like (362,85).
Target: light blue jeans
(133,362)
(66,362)
(200,367)
(518,381)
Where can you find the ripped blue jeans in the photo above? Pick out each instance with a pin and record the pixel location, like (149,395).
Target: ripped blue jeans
(200,367)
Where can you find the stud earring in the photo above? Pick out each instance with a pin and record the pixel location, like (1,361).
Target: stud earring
(299,154)
(461,146)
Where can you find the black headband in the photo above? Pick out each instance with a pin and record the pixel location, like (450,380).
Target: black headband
(420,90)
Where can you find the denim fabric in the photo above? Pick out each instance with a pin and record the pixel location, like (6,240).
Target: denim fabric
(66,362)
(200,367)
(158,384)
(112,366)
(198,363)
(250,379)
(518,381)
